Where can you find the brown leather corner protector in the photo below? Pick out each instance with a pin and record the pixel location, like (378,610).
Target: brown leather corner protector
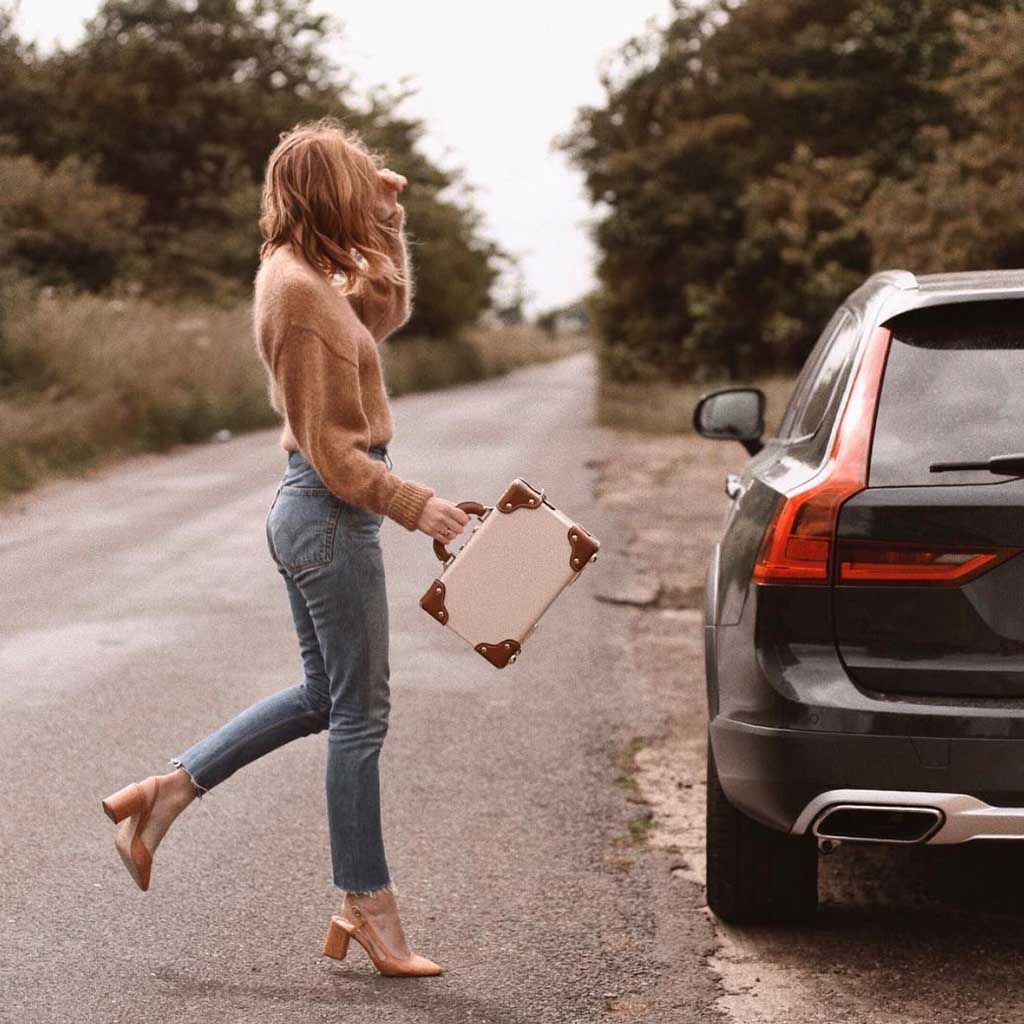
(583,546)
(518,495)
(498,654)
(433,602)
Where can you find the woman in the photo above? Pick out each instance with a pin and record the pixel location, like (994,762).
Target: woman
(334,281)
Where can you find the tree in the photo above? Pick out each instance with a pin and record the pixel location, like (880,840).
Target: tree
(27,101)
(732,148)
(960,211)
(179,103)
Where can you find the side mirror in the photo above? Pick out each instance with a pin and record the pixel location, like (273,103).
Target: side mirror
(732,414)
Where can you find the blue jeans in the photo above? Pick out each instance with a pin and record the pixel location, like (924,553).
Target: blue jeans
(328,552)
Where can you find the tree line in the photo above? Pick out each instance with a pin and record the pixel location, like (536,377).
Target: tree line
(134,159)
(755,159)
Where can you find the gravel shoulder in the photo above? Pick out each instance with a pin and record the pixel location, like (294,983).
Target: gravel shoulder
(910,934)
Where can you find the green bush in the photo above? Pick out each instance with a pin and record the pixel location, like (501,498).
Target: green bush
(61,227)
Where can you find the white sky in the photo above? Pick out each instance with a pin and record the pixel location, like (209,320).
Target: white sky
(496,83)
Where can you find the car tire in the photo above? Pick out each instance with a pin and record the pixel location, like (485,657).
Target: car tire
(756,874)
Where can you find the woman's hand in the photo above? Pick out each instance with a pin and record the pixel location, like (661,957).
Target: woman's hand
(441,520)
(391,184)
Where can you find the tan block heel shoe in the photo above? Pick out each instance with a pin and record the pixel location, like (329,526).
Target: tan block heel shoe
(131,807)
(341,930)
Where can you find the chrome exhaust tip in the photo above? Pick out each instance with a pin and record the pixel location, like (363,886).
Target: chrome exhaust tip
(877,823)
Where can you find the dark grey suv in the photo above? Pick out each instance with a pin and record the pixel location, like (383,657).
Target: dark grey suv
(864,608)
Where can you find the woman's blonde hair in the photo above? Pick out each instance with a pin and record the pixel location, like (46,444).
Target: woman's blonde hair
(322,176)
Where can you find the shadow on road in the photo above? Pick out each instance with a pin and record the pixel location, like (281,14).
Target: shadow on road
(982,877)
(913,933)
(351,988)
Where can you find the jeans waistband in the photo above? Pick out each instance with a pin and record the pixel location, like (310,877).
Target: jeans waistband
(300,470)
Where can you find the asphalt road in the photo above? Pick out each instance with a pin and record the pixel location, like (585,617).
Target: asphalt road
(140,608)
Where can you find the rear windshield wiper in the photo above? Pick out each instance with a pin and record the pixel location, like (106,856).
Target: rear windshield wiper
(1006,465)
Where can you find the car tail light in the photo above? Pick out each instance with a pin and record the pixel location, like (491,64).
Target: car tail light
(800,538)
(862,561)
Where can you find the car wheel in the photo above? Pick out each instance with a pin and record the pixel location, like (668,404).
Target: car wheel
(756,874)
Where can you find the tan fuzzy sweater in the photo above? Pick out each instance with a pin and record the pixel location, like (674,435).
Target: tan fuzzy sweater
(325,376)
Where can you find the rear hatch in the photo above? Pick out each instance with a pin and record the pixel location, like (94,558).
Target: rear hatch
(929,577)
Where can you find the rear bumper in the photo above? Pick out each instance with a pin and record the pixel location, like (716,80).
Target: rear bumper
(785,777)
(963,817)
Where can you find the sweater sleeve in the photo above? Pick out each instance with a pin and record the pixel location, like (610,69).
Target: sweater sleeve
(319,388)
(385,308)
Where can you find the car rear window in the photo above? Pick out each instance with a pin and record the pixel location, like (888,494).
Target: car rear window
(951,392)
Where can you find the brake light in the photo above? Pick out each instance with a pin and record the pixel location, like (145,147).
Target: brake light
(862,561)
(800,538)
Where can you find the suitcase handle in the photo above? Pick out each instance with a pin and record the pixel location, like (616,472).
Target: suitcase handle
(474,508)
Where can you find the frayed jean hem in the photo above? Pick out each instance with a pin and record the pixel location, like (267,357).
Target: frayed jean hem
(390,887)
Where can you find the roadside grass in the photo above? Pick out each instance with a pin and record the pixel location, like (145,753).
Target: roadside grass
(624,761)
(86,379)
(640,826)
(89,379)
(659,407)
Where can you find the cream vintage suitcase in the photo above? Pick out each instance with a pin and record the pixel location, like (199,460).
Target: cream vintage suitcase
(520,557)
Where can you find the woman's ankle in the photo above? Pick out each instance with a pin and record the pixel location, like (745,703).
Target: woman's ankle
(178,787)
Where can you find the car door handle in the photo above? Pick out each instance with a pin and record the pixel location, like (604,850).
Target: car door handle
(732,485)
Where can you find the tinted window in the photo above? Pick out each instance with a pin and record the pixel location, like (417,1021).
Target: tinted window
(823,374)
(951,392)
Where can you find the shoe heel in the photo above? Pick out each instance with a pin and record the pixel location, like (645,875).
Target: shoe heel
(336,942)
(123,803)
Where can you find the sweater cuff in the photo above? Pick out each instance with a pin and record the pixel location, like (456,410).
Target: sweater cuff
(406,506)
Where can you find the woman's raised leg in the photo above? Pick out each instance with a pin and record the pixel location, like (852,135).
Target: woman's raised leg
(150,808)
(295,711)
